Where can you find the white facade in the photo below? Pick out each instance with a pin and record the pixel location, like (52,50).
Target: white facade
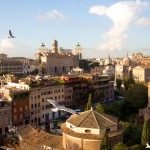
(78,50)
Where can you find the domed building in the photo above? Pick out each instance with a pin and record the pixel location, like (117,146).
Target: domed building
(85,130)
(127,61)
(56,62)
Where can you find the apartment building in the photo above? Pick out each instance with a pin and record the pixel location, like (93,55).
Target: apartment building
(5,116)
(40,109)
(76,90)
(18,94)
(102,88)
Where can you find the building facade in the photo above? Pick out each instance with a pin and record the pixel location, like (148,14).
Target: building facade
(5,116)
(78,50)
(141,73)
(56,62)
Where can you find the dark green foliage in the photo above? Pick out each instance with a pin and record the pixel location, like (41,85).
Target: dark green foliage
(137,96)
(122,110)
(118,83)
(93,65)
(34,84)
(60,82)
(19,95)
(128,82)
(89,104)
(34,72)
(100,108)
(120,146)
(145,134)
(105,144)
(136,147)
(132,133)
(84,64)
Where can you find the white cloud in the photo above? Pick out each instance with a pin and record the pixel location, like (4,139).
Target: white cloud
(123,14)
(10,47)
(7,43)
(54,14)
(143,22)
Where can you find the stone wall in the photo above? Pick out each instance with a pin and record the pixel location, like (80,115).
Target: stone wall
(73,143)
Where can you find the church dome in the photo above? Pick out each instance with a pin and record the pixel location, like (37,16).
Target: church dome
(85,130)
(127,60)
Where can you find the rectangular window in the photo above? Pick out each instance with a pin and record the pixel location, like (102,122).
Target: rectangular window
(26,107)
(15,117)
(21,116)
(31,105)
(15,109)
(20,108)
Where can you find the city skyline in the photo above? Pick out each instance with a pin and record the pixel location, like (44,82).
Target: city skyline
(101,27)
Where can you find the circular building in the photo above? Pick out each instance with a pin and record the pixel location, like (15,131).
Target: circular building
(84,131)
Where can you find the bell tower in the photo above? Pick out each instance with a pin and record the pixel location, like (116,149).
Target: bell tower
(54,46)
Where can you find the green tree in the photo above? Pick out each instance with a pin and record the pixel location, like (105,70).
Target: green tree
(130,130)
(137,96)
(35,71)
(120,146)
(89,104)
(105,144)
(126,83)
(100,108)
(84,64)
(118,83)
(135,147)
(145,134)
(93,65)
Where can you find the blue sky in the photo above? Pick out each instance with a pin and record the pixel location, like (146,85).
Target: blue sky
(101,27)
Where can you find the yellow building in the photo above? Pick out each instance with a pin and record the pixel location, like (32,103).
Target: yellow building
(85,130)
(141,73)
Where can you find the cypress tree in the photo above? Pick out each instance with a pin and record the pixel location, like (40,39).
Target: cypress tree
(89,104)
(105,144)
(145,134)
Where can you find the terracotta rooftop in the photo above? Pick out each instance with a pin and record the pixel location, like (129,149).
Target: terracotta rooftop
(92,119)
(36,139)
